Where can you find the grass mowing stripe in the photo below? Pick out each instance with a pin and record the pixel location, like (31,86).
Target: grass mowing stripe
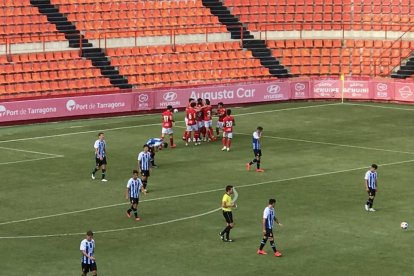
(204,192)
(157,124)
(114,230)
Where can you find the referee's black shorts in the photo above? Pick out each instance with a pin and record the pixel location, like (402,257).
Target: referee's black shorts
(228,216)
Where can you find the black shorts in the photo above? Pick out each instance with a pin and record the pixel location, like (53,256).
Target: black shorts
(145,173)
(228,216)
(134,200)
(371,192)
(100,162)
(88,267)
(257,152)
(269,233)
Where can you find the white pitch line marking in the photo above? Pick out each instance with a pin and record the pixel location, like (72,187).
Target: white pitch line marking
(30,151)
(380,106)
(29,160)
(204,192)
(328,143)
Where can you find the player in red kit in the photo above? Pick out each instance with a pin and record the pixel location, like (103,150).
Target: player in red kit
(191,124)
(190,100)
(200,119)
(167,124)
(228,123)
(208,122)
(221,113)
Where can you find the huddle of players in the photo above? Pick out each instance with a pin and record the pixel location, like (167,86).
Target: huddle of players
(199,123)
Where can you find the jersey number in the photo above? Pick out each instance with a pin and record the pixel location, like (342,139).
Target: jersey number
(229,124)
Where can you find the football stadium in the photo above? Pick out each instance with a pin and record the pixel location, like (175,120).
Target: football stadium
(206,137)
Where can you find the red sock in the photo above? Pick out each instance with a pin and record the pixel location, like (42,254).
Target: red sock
(185,134)
(203,131)
(211,133)
(171,141)
(196,135)
(224,141)
(228,143)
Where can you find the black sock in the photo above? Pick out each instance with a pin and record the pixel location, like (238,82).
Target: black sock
(129,210)
(262,244)
(228,232)
(370,202)
(272,243)
(103,173)
(94,171)
(135,212)
(144,183)
(258,164)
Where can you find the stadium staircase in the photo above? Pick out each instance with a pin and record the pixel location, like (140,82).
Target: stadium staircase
(75,38)
(256,46)
(406,70)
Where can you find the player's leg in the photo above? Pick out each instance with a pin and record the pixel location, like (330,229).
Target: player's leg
(152,156)
(84,269)
(97,167)
(172,145)
(130,208)
(263,243)
(224,140)
(196,131)
(228,227)
(229,137)
(144,179)
(371,200)
(94,269)
(135,210)
(272,241)
(103,171)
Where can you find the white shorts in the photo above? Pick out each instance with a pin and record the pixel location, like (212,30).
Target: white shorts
(228,135)
(208,124)
(200,124)
(168,131)
(219,124)
(192,127)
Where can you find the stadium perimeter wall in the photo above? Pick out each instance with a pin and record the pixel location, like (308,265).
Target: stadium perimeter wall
(145,101)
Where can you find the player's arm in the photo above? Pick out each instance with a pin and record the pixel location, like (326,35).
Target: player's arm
(139,165)
(277,221)
(264,225)
(366,185)
(225,205)
(127,193)
(83,250)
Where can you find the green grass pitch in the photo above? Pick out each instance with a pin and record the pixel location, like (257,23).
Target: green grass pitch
(315,155)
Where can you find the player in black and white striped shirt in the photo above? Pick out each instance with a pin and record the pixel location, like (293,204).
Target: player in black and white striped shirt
(371,186)
(133,189)
(144,165)
(87,248)
(100,156)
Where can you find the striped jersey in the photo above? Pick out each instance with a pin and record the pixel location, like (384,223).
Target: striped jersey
(145,159)
(134,187)
(269,215)
(101,146)
(371,178)
(154,142)
(256,140)
(89,248)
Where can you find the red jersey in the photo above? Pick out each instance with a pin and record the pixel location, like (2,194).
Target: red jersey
(221,112)
(228,122)
(207,112)
(167,119)
(199,110)
(191,116)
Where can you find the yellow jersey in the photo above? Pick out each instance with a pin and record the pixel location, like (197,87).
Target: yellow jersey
(227,199)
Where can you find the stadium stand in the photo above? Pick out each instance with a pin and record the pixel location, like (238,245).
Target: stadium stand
(164,66)
(20,22)
(45,73)
(333,57)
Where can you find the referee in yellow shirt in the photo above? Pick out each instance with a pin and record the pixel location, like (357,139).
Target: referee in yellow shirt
(226,206)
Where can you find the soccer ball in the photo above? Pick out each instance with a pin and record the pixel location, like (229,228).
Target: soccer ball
(175,110)
(404,225)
